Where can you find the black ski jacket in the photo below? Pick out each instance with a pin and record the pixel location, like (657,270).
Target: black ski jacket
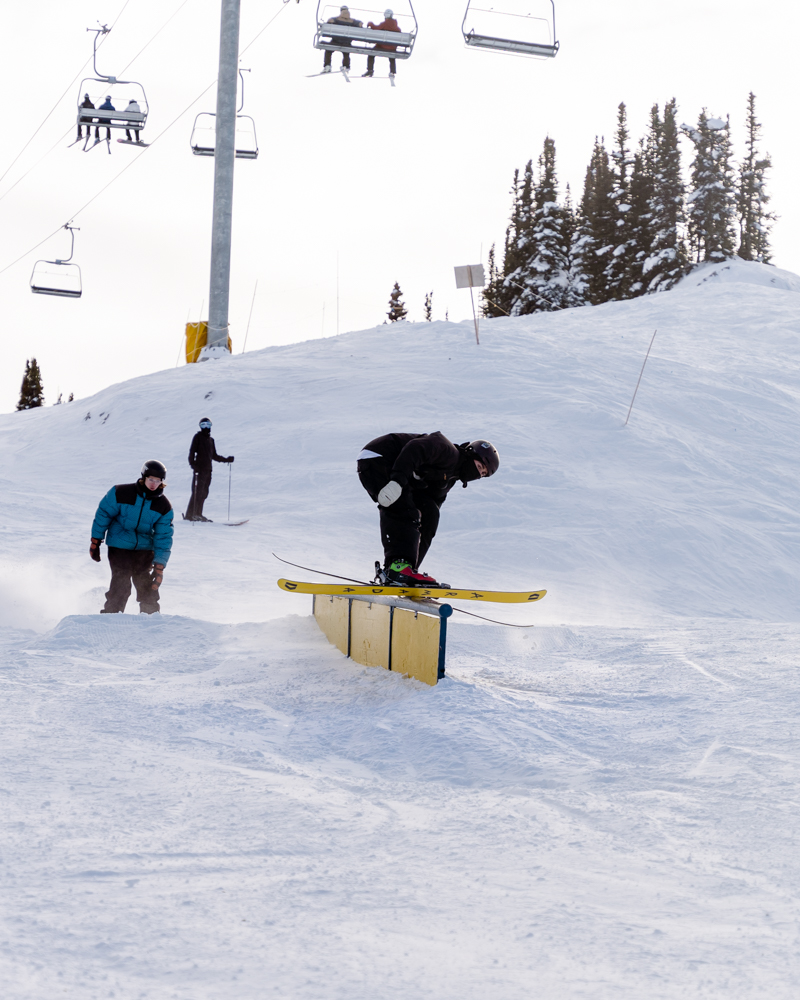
(425,462)
(202,451)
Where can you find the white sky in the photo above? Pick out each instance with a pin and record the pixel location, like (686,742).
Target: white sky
(397,184)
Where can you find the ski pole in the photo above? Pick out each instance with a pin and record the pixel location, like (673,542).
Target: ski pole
(230,470)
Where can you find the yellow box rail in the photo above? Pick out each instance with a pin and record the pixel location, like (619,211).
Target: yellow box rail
(387,632)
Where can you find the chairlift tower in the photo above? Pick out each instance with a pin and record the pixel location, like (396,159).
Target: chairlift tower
(224,154)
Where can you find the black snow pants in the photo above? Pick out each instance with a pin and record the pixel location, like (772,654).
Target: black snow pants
(409,524)
(200,486)
(127,565)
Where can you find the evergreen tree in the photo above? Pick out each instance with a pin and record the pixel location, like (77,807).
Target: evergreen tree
(542,279)
(755,221)
(597,231)
(397,308)
(639,221)
(712,201)
(31,393)
(429,306)
(667,260)
(578,282)
(71,397)
(59,400)
(493,290)
(618,269)
(518,238)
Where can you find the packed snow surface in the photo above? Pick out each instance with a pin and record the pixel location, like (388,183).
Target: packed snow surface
(214,803)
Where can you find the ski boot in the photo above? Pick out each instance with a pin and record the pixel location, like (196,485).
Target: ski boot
(401,573)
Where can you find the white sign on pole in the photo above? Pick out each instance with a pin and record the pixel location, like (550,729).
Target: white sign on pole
(470,276)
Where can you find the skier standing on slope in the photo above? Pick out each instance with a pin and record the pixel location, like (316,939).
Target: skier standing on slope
(409,477)
(138,519)
(201,453)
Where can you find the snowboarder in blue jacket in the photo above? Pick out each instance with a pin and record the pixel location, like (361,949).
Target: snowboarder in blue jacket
(137,518)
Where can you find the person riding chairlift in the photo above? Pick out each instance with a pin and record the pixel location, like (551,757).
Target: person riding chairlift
(105,106)
(387,24)
(343,18)
(132,106)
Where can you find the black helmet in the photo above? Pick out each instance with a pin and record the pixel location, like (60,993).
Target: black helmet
(205,423)
(157,469)
(486,453)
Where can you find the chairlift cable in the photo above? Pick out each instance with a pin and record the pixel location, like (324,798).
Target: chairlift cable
(50,112)
(155,36)
(58,142)
(136,158)
(253,40)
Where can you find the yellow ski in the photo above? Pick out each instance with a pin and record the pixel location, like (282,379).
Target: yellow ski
(415,593)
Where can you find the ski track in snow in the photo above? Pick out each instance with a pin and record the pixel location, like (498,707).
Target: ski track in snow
(214,803)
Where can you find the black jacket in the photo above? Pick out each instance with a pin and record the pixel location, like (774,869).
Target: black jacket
(425,462)
(202,451)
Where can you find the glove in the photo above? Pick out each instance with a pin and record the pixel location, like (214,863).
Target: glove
(229,459)
(158,575)
(390,492)
(94,549)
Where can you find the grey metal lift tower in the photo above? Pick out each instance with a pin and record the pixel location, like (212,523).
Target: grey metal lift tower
(225,148)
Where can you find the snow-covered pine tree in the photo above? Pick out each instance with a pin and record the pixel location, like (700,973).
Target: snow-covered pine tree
(542,279)
(397,308)
(518,237)
(493,290)
(640,218)
(712,201)
(618,270)
(667,260)
(429,306)
(31,393)
(755,221)
(578,282)
(597,231)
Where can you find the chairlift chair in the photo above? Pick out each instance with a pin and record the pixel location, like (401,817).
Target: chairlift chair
(521,27)
(363,40)
(58,277)
(121,94)
(203,140)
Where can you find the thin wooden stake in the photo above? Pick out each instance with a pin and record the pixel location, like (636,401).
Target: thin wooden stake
(252,303)
(640,375)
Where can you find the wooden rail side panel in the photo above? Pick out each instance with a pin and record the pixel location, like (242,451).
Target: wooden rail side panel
(333,617)
(370,631)
(415,645)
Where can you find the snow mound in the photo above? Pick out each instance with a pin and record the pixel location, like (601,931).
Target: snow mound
(740,271)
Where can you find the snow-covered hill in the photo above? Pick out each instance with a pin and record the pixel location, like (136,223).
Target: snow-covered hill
(214,803)
(691,509)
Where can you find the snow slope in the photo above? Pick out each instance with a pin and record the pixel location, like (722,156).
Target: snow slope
(215,803)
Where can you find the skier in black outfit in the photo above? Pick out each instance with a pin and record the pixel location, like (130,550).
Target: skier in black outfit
(201,453)
(409,477)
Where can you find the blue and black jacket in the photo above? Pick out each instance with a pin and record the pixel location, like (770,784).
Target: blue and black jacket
(135,518)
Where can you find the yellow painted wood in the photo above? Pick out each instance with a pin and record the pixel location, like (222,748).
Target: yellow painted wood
(332,614)
(369,634)
(196,340)
(415,645)
(415,593)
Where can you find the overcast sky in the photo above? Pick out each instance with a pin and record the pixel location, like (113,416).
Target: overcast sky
(393,184)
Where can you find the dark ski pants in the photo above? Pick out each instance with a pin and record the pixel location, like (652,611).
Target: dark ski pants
(409,525)
(371,65)
(200,486)
(329,55)
(131,565)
